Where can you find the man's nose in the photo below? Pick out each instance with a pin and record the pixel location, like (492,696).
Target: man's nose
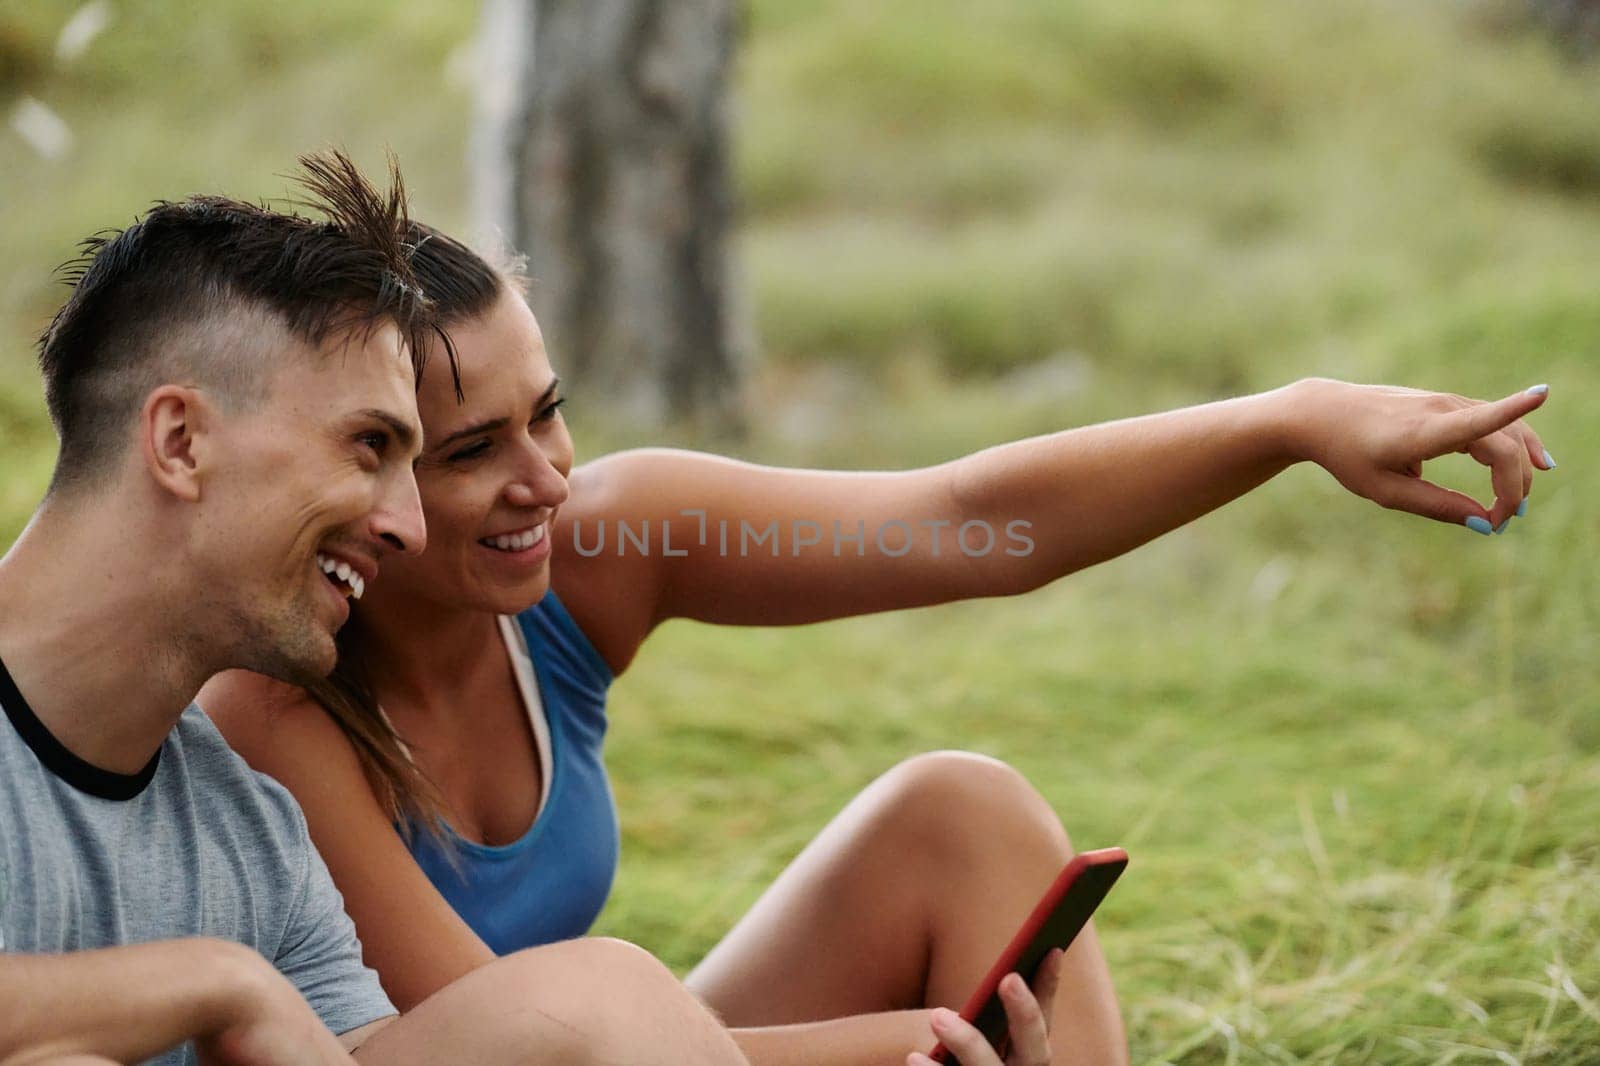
(398,519)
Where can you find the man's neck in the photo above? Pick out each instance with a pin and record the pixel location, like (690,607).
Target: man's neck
(92,633)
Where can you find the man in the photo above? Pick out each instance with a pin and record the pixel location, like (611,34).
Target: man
(233,389)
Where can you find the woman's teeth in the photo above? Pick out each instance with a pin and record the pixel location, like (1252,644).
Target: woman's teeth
(515,542)
(352,583)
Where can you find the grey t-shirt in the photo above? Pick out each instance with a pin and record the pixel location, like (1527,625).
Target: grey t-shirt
(196,844)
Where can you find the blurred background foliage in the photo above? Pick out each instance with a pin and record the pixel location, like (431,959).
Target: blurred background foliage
(1353,754)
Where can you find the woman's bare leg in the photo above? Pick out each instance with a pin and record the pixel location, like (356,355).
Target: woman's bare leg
(904,900)
(575,1003)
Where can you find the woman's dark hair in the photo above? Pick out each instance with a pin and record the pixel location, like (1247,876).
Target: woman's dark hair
(461,285)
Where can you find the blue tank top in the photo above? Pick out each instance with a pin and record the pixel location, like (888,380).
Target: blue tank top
(549,884)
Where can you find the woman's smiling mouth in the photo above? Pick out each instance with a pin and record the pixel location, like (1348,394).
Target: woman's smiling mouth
(519,541)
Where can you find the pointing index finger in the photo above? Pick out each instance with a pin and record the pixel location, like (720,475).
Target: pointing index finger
(1454,431)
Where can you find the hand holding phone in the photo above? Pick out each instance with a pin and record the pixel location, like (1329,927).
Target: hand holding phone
(1054,923)
(1027,1013)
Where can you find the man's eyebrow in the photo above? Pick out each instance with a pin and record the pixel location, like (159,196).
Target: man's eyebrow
(403,431)
(495,423)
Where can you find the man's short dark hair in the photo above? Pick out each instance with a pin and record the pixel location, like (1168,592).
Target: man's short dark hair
(179,295)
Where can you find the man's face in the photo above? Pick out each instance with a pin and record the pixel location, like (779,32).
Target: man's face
(306,494)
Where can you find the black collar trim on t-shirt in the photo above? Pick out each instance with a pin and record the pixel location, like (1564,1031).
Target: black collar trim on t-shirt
(81,775)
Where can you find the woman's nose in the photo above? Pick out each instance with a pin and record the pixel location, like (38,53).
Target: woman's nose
(540,485)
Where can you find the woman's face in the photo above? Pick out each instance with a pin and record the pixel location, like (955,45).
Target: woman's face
(493,470)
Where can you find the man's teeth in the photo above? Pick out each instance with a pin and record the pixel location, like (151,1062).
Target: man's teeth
(354,583)
(515,542)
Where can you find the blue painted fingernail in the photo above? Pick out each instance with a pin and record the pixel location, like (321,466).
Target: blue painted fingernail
(1479,525)
(1501,528)
(1549,463)
(1522,508)
(1538,390)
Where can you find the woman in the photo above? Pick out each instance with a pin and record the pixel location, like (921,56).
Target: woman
(490,654)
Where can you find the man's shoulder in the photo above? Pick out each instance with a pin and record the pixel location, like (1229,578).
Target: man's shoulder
(207,848)
(225,783)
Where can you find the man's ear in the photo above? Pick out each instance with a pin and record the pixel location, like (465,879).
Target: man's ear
(173,428)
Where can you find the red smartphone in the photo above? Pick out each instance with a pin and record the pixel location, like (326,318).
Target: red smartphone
(1060,915)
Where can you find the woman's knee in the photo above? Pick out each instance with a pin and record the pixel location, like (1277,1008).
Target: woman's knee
(588,973)
(615,1001)
(972,800)
(577,1003)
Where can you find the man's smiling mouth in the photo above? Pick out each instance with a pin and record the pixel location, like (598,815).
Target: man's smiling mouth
(341,576)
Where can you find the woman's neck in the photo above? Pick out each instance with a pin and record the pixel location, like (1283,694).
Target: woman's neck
(428,657)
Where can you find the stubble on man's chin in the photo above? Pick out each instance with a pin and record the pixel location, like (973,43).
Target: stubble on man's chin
(285,646)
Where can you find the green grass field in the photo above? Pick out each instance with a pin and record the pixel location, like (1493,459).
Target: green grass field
(1356,756)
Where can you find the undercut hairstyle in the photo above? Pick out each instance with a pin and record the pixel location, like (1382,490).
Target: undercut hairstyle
(194,292)
(461,285)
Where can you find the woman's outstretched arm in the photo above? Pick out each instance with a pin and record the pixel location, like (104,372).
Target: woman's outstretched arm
(655,534)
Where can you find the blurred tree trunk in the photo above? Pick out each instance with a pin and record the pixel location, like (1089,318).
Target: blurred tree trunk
(1575,23)
(607,121)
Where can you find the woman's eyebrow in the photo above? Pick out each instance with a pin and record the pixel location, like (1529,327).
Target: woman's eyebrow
(481,427)
(498,423)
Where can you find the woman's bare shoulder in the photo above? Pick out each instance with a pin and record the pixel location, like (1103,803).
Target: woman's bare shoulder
(268,721)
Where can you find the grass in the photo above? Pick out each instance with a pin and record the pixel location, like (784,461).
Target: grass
(1354,755)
